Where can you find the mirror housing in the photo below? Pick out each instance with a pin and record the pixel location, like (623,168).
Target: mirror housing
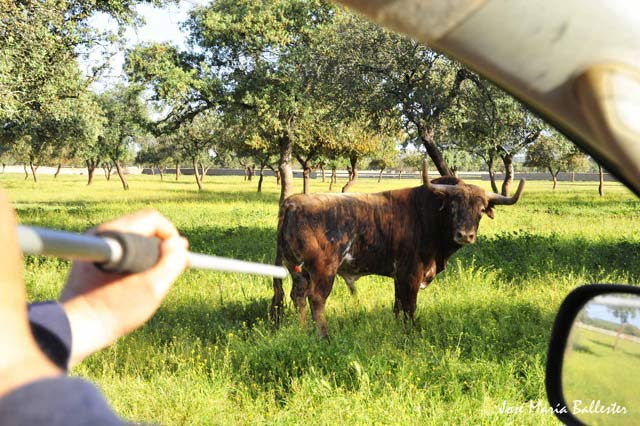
(562,327)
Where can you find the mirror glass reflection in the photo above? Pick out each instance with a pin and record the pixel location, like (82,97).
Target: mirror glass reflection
(601,366)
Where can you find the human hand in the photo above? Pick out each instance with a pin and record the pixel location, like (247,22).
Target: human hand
(21,360)
(103,307)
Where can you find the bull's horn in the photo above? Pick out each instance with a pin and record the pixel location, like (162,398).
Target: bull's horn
(425,174)
(498,199)
(447,189)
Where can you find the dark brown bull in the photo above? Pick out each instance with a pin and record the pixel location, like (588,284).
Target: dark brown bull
(406,234)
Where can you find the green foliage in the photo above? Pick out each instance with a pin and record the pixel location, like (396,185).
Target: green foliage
(490,123)
(411,161)
(177,93)
(46,111)
(385,74)
(157,152)
(552,152)
(125,118)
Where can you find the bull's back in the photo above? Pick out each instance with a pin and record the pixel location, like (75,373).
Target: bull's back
(325,218)
(331,226)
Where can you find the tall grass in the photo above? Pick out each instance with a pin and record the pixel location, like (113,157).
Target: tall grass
(210,356)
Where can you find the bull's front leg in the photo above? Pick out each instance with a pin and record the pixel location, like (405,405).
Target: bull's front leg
(407,288)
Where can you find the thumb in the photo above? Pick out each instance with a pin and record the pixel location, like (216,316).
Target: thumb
(174,258)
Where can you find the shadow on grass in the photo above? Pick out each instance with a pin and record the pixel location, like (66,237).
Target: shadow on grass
(520,256)
(364,345)
(517,256)
(241,242)
(584,349)
(599,343)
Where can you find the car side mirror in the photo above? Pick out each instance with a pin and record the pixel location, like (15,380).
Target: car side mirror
(593,363)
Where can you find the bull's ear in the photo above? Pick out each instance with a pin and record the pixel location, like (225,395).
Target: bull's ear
(489,211)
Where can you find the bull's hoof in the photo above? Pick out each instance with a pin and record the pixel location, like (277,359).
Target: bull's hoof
(323,335)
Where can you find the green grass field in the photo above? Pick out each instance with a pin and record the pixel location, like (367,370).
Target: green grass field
(210,356)
(594,371)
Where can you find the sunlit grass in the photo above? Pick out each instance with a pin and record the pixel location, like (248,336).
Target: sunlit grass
(210,356)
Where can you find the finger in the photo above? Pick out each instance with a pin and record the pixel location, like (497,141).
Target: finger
(145,222)
(174,258)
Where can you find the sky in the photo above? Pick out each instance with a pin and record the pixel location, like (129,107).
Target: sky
(161,25)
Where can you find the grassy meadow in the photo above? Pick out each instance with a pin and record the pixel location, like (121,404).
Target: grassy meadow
(593,370)
(210,355)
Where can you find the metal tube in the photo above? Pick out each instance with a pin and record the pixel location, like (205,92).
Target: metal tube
(202,261)
(67,245)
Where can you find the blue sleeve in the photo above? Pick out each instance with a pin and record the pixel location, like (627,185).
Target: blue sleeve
(51,330)
(59,401)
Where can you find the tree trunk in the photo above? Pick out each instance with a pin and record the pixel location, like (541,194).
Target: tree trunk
(354,174)
(26,173)
(261,178)
(380,175)
(91,167)
(492,173)
(427,137)
(306,176)
(3,167)
(33,168)
(333,179)
(278,177)
(507,160)
(125,184)
(322,171)
(108,167)
(601,179)
(196,174)
(492,178)
(55,175)
(555,178)
(153,170)
(203,172)
(177,171)
(399,174)
(161,171)
(284,165)
(573,176)
(246,173)
(618,333)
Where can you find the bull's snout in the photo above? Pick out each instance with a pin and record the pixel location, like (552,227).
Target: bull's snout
(465,237)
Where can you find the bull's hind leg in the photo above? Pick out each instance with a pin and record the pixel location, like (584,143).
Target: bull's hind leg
(320,290)
(299,294)
(277,303)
